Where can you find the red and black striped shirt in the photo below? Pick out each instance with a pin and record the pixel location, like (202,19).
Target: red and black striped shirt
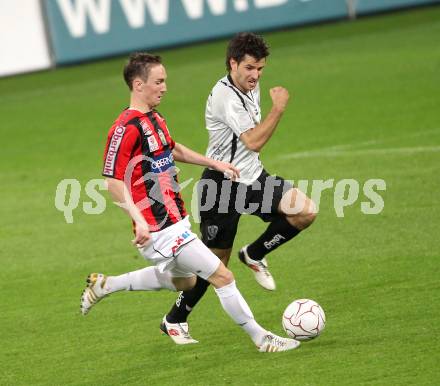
(139,152)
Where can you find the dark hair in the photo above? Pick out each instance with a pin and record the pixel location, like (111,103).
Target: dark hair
(246,43)
(139,65)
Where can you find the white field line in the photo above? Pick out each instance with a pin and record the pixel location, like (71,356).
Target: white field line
(353,149)
(362,152)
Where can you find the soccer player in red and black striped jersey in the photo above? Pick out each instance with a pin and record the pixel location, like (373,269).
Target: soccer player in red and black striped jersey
(139,150)
(142,178)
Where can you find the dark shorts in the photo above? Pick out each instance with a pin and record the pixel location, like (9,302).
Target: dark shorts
(222,202)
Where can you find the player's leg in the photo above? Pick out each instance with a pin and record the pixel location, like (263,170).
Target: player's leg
(146,279)
(223,254)
(188,299)
(196,257)
(300,210)
(289,212)
(218,233)
(296,213)
(176,330)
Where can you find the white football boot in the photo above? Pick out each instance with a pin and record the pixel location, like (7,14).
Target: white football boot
(275,343)
(178,332)
(261,272)
(94,291)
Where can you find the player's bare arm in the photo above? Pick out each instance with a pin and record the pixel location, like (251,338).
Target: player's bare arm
(183,154)
(256,138)
(122,198)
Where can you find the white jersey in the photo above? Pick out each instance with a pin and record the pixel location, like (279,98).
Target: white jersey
(229,113)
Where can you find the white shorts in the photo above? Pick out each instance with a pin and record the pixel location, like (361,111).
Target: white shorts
(178,250)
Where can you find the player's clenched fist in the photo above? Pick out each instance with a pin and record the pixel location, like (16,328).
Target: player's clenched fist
(280,97)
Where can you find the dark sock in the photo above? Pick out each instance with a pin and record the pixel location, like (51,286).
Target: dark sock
(187,301)
(277,233)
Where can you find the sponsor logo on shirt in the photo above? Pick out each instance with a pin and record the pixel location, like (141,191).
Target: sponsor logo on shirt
(146,128)
(218,150)
(115,142)
(162,162)
(162,138)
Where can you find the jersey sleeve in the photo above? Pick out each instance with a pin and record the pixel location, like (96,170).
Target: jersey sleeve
(229,108)
(119,149)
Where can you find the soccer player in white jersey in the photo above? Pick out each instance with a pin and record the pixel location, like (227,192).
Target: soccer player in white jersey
(140,172)
(237,134)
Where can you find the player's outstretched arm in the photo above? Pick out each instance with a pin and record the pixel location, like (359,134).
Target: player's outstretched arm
(254,139)
(183,154)
(123,199)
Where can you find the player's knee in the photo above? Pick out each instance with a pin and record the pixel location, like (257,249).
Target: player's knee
(310,217)
(303,219)
(223,276)
(309,214)
(227,277)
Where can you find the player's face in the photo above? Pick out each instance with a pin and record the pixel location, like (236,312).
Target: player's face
(154,88)
(247,73)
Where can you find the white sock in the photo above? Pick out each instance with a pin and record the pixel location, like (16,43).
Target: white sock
(237,308)
(146,279)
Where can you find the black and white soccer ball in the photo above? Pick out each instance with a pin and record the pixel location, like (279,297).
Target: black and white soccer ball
(303,319)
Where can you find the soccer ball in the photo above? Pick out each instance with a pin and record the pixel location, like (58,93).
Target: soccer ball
(303,319)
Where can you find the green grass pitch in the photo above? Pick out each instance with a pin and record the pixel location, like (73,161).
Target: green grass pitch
(365,104)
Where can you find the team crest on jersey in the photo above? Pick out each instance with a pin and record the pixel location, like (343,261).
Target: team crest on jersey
(212,232)
(152,143)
